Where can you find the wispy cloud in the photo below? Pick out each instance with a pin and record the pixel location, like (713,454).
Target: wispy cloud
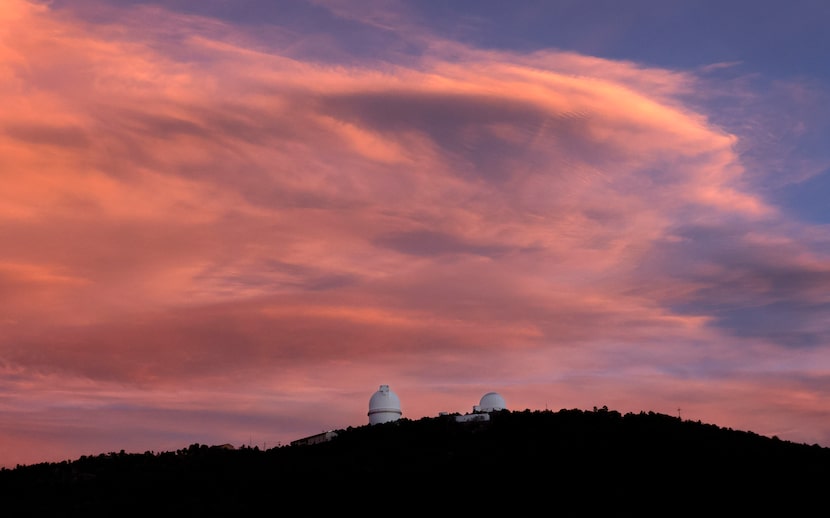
(187,206)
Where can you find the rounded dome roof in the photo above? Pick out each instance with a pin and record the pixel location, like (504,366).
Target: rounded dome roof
(492,401)
(384,406)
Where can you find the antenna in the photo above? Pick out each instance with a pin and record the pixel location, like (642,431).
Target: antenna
(678,414)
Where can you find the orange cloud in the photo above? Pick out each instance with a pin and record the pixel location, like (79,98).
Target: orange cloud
(186,207)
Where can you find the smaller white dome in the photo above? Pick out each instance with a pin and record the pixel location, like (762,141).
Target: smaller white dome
(384,406)
(492,402)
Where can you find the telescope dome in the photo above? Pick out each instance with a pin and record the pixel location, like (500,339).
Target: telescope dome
(384,406)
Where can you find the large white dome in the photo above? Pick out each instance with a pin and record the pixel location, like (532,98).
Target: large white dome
(384,406)
(492,402)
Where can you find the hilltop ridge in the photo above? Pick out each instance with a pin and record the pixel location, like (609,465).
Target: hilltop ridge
(582,461)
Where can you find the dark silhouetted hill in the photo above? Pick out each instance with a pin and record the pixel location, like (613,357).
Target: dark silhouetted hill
(520,463)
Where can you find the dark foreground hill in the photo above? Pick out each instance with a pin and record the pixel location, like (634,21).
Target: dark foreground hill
(565,463)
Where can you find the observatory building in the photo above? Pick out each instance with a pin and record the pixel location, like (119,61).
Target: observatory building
(490,402)
(384,406)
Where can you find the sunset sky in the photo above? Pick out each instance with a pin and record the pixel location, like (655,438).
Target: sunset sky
(231,221)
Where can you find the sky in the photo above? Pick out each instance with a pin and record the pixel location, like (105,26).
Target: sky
(231,221)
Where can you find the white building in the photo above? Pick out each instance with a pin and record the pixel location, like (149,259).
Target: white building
(490,402)
(315,439)
(384,406)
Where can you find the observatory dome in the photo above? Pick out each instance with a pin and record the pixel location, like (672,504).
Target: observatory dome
(492,402)
(384,406)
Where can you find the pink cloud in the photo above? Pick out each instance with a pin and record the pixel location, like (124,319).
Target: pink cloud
(185,212)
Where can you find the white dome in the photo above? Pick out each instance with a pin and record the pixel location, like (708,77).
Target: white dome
(491,402)
(384,406)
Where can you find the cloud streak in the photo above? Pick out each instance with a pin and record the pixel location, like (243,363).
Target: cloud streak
(190,210)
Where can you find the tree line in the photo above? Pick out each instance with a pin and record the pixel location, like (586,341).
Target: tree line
(570,462)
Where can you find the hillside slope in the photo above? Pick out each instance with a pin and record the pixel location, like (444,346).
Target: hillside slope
(568,463)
